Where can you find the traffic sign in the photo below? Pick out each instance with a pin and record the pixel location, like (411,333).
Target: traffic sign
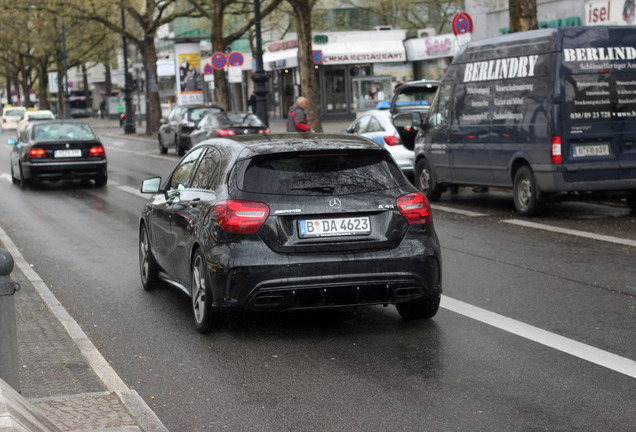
(317,57)
(219,60)
(235,59)
(207,69)
(462,23)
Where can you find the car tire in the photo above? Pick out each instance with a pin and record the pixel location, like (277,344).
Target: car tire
(24,183)
(204,317)
(425,180)
(631,200)
(100,181)
(14,180)
(162,149)
(525,192)
(181,149)
(418,309)
(147,263)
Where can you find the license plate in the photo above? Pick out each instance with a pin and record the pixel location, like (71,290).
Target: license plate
(67,153)
(590,150)
(334,227)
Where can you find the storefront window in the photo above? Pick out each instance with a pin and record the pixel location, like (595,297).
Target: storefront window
(335,90)
(368,91)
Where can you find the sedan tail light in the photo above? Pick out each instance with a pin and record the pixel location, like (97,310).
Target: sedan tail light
(97,151)
(225,132)
(264,131)
(391,140)
(241,216)
(415,208)
(557,158)
(37,153)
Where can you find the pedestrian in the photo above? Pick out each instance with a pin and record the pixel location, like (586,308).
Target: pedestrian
(251,102)
(120,112)
(102,109)
(296,118)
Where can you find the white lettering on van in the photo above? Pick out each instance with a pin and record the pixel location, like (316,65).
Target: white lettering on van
(599,54)
(506,68)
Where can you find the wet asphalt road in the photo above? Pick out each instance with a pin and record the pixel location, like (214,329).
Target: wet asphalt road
(495,358)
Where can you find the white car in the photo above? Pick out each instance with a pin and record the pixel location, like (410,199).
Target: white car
(10,116)
(28,116)
(377,125)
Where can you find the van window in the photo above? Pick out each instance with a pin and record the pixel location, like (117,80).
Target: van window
(600,97)
(438,116)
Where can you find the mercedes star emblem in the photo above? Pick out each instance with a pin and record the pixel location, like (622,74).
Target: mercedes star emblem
(335,203)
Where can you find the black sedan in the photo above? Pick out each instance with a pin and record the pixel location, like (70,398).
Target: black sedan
(224,124)
(275,222)
(175,130)
(57,150)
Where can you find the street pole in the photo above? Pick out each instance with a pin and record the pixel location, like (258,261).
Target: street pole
(129,123)
(67,97)
(259,76)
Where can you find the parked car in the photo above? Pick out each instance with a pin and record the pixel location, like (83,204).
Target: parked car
(81,113)
(10,117)
(378,126)
(174,131)
(56,150)
(282,222)
(223,124)
(30,116)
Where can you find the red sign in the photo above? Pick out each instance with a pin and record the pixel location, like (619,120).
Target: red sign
(462,23)
(219,60)
(235,59)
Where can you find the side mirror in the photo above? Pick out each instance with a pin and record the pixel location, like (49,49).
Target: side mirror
(416,119)
(151,185)
(11,142)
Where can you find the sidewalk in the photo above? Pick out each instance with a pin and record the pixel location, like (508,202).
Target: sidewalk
(61,372)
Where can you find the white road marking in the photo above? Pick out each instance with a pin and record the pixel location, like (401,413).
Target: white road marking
(567,231)
(585,352)
(458,211)
(5,176)
(130,398)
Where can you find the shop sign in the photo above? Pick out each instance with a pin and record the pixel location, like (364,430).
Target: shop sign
(433,47)
(282,45)
(277,64)
(363,57)
(610,12)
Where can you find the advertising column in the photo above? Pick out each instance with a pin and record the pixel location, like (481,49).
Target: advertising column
(188,57)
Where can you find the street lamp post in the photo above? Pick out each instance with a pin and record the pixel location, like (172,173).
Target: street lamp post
(129,123)
(259,76)
(67,97)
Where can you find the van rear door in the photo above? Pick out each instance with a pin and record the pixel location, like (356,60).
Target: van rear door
(410,97)
(599,116)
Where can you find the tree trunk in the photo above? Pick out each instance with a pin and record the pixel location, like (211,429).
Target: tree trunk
(221,92)
(302,13)
(152,90)
(87,93)
(523,15)
(43,77)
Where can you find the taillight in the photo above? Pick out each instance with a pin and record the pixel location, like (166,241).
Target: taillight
(391,140)
(264,131)
(241,216)
(97,151)
(225,132)
(36,153)
(415,208)
(556,151)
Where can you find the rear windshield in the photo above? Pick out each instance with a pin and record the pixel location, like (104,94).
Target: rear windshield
(13,112)
(195,115)
(600,96)
(415,98)
(319,174)
(239,119)
(63,131)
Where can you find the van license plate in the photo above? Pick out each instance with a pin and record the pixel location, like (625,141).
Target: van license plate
(590,150)
(333,227)
(68,153)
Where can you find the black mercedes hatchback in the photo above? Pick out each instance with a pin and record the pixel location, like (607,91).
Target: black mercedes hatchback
(290,222)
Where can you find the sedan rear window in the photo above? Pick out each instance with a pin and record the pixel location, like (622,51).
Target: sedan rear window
(63,131)
(317,174)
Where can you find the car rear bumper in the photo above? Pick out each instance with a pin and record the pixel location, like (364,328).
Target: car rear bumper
(65,170)
(323,281)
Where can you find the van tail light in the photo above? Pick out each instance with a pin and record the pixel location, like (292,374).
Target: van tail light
(225,132)
(391,140)
(37,153)
(415,208)
(556,151)
(245,217)
(264,131)
(97,151)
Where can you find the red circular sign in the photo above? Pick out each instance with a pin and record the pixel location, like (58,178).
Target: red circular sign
(462,23)
(235,59)
(219,60)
